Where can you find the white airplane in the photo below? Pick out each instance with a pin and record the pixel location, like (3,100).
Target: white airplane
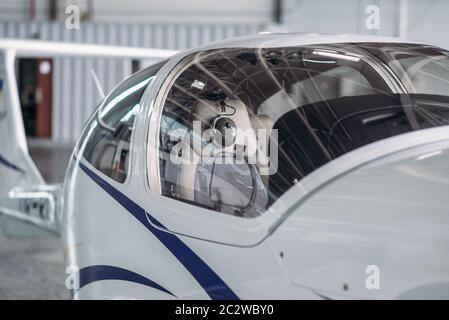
(278,166)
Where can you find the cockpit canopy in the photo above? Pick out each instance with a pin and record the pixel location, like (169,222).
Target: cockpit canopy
(240,126)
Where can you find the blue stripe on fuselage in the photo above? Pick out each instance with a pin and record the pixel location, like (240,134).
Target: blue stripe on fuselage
(215,287)
(103,272)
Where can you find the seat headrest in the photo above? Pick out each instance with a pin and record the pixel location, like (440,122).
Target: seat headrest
(205,111)
(261,121)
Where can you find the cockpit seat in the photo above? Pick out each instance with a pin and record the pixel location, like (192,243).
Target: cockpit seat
(212,177)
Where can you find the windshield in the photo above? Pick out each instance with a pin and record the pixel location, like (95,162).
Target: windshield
(288,111)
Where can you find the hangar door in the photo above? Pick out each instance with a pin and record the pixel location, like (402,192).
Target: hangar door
(35,92)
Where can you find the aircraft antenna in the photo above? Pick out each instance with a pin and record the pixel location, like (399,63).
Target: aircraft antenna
(97,83)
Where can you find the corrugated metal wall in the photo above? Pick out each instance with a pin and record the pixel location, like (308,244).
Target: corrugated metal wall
(74,93)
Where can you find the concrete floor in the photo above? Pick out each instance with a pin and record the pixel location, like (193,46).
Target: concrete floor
(32,267)
(51,160)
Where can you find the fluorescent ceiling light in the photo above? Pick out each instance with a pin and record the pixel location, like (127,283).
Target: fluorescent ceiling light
(319,61)
(336,55)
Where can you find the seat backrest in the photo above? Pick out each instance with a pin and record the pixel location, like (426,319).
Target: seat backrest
(197,172)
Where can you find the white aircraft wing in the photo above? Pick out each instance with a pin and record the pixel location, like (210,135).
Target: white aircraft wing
(24,195)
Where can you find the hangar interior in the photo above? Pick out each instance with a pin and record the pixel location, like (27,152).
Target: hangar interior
(58,95)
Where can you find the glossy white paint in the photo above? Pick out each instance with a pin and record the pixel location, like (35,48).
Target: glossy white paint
(384,204)
(358,219)
(312,243)
(392,213)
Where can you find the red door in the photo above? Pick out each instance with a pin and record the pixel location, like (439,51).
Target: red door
(35,85)
(43,97)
